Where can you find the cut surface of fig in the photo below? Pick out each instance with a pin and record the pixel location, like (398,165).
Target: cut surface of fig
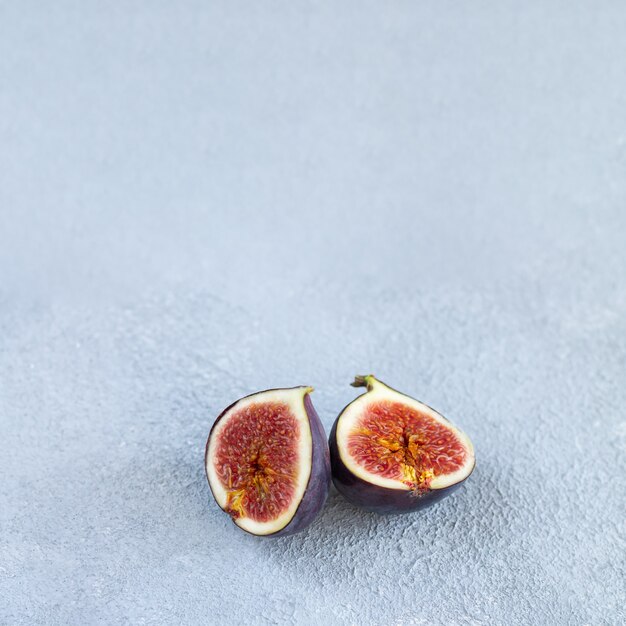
(392,453)
(267,461)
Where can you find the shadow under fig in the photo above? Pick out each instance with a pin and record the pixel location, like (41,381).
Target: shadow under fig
(337,524)
(477,509)
(179,489)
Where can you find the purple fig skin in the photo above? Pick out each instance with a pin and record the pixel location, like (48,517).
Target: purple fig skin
(319,482)
(375,498)
(317,489)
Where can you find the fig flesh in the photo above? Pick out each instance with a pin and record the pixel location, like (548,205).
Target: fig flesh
(391,453)
(267,462)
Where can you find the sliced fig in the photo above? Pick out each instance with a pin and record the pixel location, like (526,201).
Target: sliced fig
(393,454)
(267,462)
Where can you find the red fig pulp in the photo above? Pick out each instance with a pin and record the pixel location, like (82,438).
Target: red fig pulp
(391,453)
(267,462)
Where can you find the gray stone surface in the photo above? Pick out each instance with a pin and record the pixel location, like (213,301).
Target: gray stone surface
(200,200)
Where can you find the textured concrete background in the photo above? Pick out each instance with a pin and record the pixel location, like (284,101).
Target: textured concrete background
(200,200)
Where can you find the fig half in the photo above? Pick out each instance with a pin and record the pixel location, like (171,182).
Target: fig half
(393,454)
(267,462)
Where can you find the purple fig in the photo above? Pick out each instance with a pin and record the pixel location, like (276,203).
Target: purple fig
(267,462)
(393,454)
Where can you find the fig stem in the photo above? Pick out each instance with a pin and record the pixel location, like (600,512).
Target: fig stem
(365,381)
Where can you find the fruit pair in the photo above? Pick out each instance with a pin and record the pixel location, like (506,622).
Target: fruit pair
(269,466)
